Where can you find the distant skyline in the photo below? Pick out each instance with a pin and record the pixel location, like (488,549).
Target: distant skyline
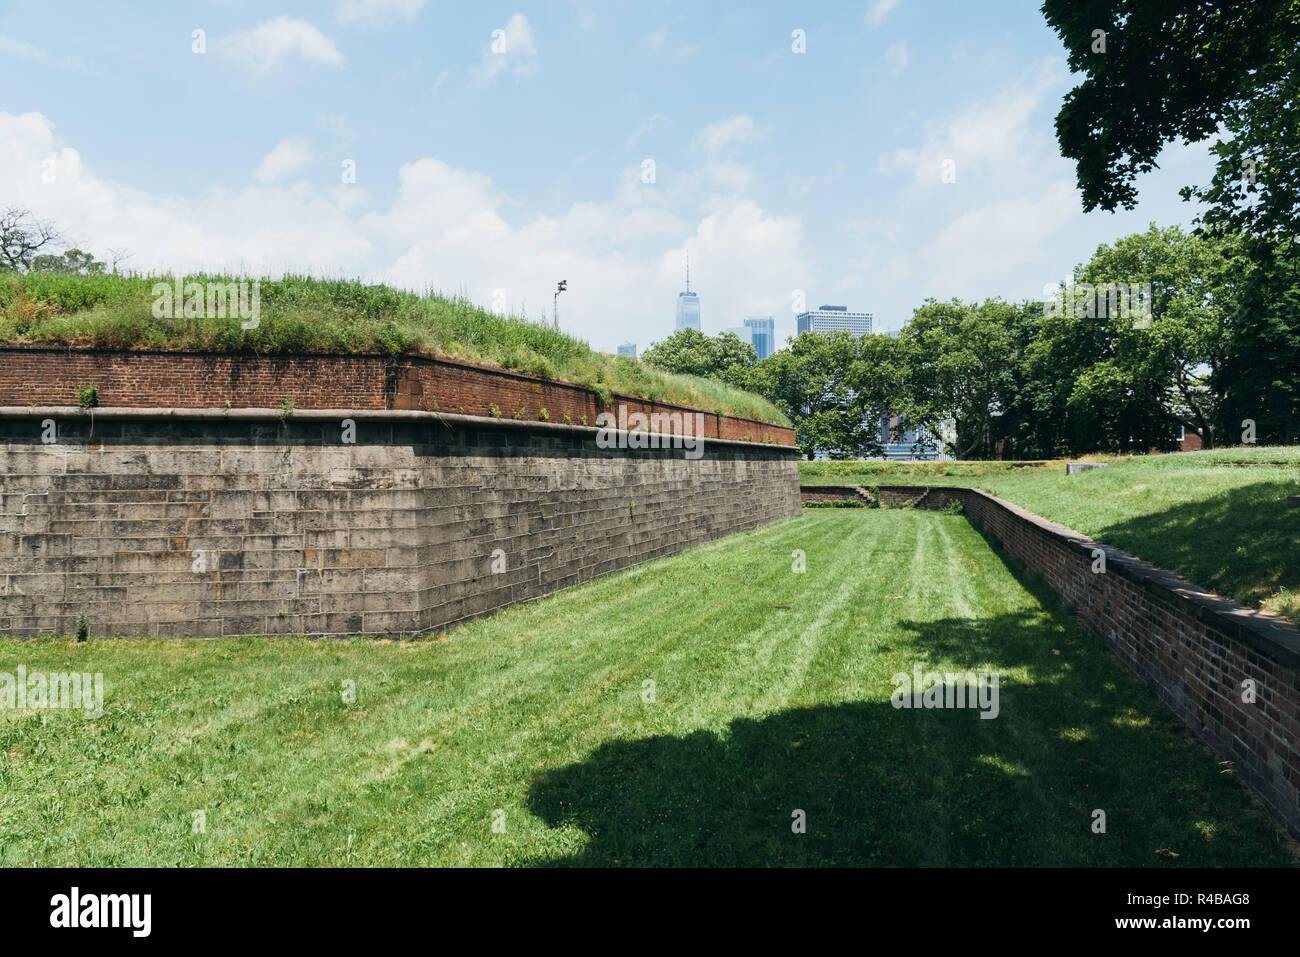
(688,306)
(836,318)
(494,149)
(762,334)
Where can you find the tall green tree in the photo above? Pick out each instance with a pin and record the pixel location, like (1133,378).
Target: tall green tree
(960,360)
(1104,370)
(1195,292)
(726,358)
(1168,71)
(1029,421)
(812,382)
(1259,378)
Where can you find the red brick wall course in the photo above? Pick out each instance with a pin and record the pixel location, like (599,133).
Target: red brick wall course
(163,379)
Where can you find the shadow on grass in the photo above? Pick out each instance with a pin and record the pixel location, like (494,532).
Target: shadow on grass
(1241,544)
(901,787)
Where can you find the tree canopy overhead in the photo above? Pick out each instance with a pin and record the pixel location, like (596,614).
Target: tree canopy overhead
(1170,70)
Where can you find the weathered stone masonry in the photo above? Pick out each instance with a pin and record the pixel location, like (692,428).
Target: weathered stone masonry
(1195,648)
(207,523)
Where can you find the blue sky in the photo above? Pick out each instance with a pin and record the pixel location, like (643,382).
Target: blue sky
(498,167)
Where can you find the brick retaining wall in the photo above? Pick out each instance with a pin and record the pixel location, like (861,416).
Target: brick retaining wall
(1194,647)
(44,375)
(831,493)
(191,523)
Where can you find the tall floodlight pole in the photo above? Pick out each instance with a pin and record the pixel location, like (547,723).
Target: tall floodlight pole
(555,302)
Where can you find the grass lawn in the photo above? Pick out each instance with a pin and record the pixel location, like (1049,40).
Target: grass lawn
(307,315)
(1220,519)
(771,694)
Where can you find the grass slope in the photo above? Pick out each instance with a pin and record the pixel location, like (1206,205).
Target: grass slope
(771,694)
(1219,519)
(302,314)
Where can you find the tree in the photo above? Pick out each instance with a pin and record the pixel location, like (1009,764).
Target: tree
(1188,71)
(1027,419)
(73,261)
(1194,292)
(1167,70)
(812,382)
(116,256)
(22,237)
(1258,378)
(960,359)
(726,357)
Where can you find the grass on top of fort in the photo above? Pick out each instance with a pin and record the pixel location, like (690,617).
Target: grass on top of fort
(1220,519)
(719,707)
(307,315)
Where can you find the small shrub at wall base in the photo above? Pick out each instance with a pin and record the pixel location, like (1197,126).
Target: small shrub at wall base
(89,396)
(83,626)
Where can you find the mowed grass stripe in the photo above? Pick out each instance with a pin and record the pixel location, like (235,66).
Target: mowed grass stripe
(537,716)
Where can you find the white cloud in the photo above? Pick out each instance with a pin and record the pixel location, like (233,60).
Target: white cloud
(259,229)
(991,241)
(897,57)
(289,155)
(375,12)
(736,129)
(26,51)
(744,261)
(715,139)
(1009,223)
(446,227)
(267,44)
(510,48)
(877,10)
(995,140)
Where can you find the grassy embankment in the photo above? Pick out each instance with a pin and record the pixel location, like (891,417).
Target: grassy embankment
(771,701)
(300,314)
(1219,518)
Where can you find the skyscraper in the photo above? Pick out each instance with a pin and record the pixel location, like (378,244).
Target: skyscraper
(688,305)
(743,333)
(763,335)
(834,319)
(627,349)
